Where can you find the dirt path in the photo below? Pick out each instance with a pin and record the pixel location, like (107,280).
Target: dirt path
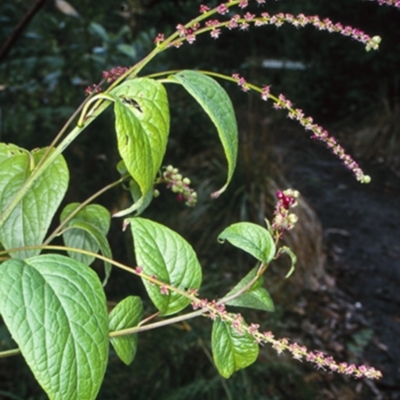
(362,233)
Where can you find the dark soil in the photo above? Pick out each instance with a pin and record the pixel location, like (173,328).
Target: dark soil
(362,238)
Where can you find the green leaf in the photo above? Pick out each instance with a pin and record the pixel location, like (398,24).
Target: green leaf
(134,189)
(28,223)
(87,230)
(142,125)
(251,238)
(99,30)
(216,103)
(255,297)
(163,253)
(232,351)
(126,314)
(128,50)
(55,309)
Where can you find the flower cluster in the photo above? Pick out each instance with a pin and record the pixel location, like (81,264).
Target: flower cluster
(95,88)
(242,22)
(114,73)
(395,3)
(283,219)
(180,185)
(321,134)
(214,310)
(318,133)
(241,82)
(188,33)
(325,24)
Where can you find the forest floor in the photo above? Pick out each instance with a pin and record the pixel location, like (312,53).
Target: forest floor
(358,318)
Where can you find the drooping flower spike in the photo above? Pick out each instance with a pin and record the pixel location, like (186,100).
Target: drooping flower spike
(318,133)
(189,31)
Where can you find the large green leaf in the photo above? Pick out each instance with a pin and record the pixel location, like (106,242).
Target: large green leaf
(163,253)
(29,221)
(252,239)
(232,350)
(55,309)
(126,314)
(87,230)
(255,297)
(217,104)
(142,125)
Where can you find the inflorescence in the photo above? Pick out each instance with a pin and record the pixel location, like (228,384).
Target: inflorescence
(284,220)
(179,185)
(189,31)
(214,310)
(394,3)
(318,133)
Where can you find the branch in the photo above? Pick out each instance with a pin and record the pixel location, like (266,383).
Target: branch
(22,24)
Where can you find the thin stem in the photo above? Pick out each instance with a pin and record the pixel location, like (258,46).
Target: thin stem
(9,353)
(80,207)
(246,287)
(85,114)
(158,324)
(223,381)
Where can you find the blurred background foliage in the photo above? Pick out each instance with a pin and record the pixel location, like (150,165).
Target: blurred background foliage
(43,79)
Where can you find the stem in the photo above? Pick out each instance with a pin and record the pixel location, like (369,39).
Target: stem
(9,353)
(80,207)
(154,325)
(85,114)
(97,109)
(246,287)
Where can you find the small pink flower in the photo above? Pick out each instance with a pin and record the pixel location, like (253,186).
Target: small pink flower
(191,38)
(163,290)
(212,22)
(265,92)
(248,16)
(181,30)
(215,33)
(159,38)
(253,329)
(204,9)
(222,9)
